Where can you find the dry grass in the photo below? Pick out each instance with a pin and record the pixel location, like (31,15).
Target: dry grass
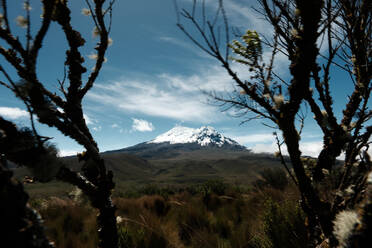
(190,218)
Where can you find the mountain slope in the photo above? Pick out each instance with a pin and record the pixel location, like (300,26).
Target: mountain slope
(204,136)
(180,140)
(126,167)
(181,156)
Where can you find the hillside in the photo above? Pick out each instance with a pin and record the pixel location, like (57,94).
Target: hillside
(177,158)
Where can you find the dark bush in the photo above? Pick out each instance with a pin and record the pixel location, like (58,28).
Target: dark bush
(191,220)
(275,178)
(285,224)
(223,228)
(214,186)
(156,204)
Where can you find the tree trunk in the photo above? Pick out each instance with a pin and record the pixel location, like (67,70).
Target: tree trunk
(98,189)
(317,208)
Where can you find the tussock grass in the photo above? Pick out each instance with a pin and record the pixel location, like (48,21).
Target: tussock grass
(212,214)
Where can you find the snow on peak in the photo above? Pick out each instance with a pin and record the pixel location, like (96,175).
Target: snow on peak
(204,136)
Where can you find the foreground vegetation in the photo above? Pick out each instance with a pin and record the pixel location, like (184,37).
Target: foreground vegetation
(212,214)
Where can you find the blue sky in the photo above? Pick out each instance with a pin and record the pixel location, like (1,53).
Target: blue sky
(153,78)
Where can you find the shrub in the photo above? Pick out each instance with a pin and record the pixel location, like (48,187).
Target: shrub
(285,224)
(253,219)
(134,235)
(190,220)
(156,204)
(214,186)
(153,189)
(275,178)
(222,228)
(70,224)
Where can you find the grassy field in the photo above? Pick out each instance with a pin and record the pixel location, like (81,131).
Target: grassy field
(194,199)
(209,214)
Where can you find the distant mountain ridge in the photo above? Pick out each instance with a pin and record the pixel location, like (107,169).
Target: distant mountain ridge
(183,139)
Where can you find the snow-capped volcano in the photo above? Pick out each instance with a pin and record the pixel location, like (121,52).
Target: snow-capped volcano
(204,136)
(184,140)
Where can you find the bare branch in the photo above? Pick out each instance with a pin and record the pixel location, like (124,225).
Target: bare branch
(5,10)
(279,145)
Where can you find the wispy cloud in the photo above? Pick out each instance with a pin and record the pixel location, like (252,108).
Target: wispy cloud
(243,15)
(185,44)
(175,96)
(88,120)
(155,98)
(93,123)
(254,138)
(177,42)
(114,125)
(13,113)
(179,96)
(97,128)
(239,13)
(207,78)
(308,148)
(64,153)
(142,125)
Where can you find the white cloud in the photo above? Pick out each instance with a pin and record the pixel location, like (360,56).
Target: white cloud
(307,148)
(114,125)
(311,148)
(184,43)
(93,123)
(254,138)
(88,120)
(155,98)
(253,19)
(169,39)
(142,125)
(174,96)
(238,14)
(311,135)
(264,148)
(179,96)
(97,128)
(64,153)
(13,113)
(178,42)
(241,15)
(208,78)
